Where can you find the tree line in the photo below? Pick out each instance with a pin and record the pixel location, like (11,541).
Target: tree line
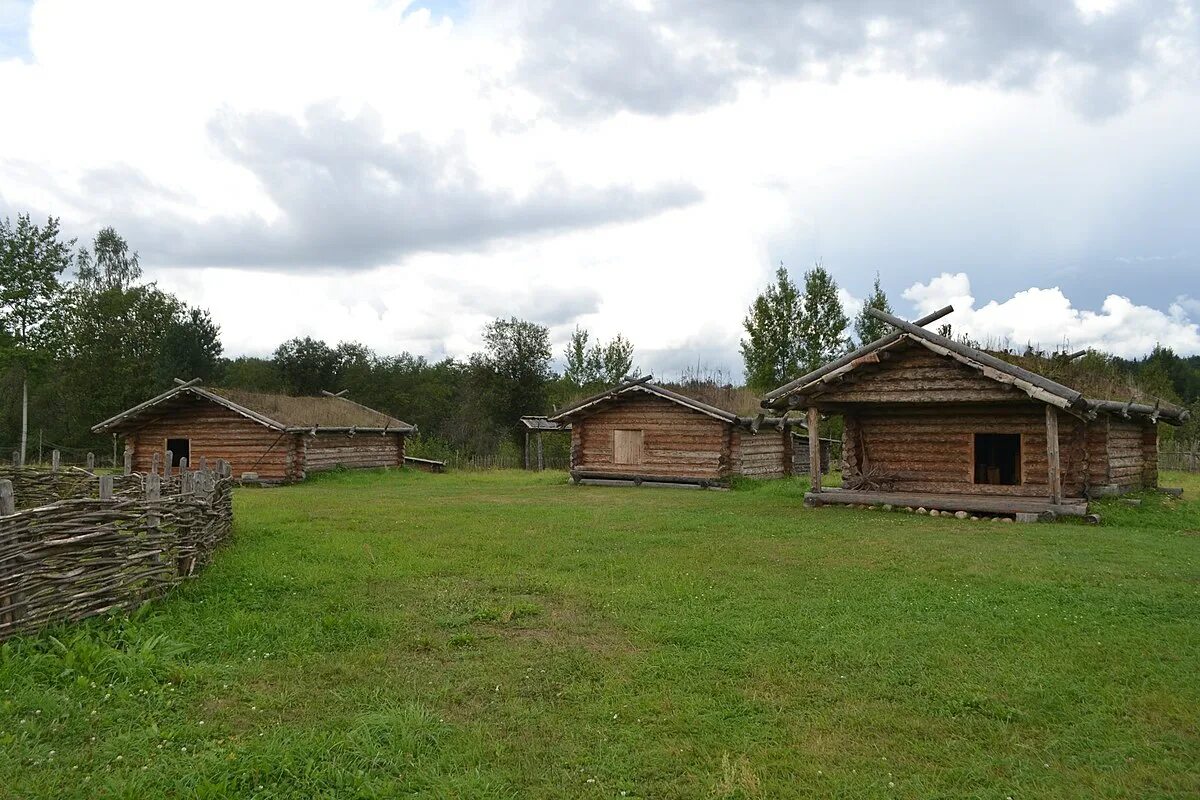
(86,336)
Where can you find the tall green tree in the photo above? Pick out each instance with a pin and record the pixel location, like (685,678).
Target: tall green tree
(866,327)
(772,349)
(578,371)
(32,259)
(517,356)
(823,323)
(109,265)
(589,365)
(307,365)
(616,360)
(119,341)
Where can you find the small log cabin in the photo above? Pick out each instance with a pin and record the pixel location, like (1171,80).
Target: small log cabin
(933,422)
(640,432)
(278,437)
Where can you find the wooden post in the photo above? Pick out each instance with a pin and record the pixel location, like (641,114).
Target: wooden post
(91,462)
(1054,471)
(814,447)
(788,453)
(106,487)
(527,448)
(541,460)
(168,462)
(155,460)
(16,458)
(128,461)
(8,503)
(55,459)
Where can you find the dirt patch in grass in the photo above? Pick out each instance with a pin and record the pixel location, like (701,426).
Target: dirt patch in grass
(563,624)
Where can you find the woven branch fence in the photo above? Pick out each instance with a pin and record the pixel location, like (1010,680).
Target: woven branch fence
(74,545)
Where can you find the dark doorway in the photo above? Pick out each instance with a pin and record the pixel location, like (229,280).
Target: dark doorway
(998,458)
(180,448)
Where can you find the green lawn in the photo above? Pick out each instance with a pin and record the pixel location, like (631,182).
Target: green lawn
(507,635)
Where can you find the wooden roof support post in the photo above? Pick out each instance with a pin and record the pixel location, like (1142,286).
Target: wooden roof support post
(1054,468)
(541,459)
(814,447)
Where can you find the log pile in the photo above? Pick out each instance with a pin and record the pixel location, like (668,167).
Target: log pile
(108,543)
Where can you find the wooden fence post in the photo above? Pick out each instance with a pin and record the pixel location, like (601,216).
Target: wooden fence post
(128,461)
(55,460)
(91,462)
(16,458)
(155,461)
(106,487)
(168,462)
(8,503)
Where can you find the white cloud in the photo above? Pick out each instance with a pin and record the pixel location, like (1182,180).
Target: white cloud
(876,170)
(1046,319)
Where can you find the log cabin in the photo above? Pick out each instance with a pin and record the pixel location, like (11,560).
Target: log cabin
(638,432)
(279,438)
(933,422)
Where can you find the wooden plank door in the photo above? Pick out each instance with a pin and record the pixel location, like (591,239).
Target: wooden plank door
(627,447)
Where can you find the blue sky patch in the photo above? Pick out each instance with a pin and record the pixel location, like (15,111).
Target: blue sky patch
(14,29)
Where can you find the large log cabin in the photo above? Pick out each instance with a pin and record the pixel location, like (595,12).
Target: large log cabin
(932,422)
(279,438)
(640,432)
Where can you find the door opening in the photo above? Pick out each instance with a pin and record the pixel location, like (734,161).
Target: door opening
(998,458)
(180,448)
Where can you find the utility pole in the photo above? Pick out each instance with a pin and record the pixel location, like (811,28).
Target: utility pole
(24,418)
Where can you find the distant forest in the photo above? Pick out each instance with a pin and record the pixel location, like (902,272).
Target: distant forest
(86,336)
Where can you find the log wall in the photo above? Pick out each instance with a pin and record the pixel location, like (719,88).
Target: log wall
(215,433)
(931,448)
(765,454)
(800,455)
(677,441)
(1127,450)
(917,375)
(326,451)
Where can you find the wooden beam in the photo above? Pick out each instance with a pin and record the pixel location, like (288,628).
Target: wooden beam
(814,447)
(1054,469)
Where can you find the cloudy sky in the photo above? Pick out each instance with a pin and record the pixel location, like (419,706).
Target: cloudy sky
(398,173)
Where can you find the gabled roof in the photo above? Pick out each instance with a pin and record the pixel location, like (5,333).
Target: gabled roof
(644,385)
(276,411)
(541,423)
(1034,385)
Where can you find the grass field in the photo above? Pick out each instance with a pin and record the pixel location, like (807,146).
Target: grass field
(504,635)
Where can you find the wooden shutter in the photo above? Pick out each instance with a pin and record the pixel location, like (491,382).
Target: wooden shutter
(627,447)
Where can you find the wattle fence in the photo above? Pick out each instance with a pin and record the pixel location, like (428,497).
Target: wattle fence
(74,544)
